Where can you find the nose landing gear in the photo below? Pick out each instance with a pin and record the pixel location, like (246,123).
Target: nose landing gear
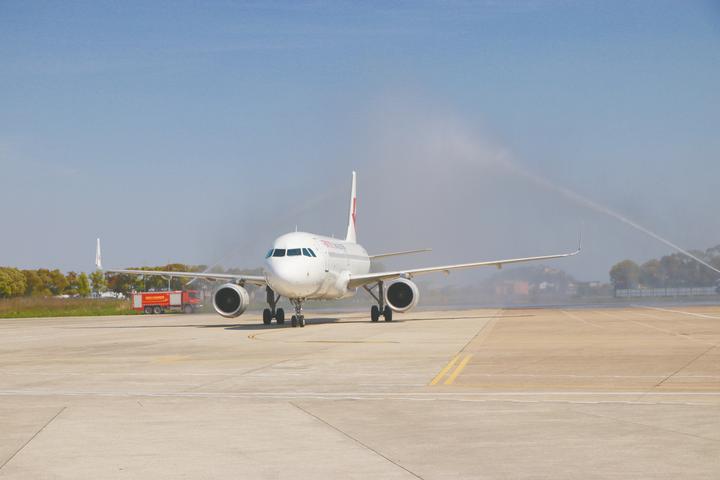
(298,319)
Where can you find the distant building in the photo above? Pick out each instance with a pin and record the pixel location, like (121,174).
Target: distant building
(510,287)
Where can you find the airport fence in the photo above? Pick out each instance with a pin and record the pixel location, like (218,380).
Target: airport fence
(666,292)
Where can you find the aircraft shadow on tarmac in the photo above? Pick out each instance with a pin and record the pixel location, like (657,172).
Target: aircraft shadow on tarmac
(326,320)
(309,322)
(273,326)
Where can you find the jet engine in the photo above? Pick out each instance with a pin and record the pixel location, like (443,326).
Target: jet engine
(230,300)
(402,295)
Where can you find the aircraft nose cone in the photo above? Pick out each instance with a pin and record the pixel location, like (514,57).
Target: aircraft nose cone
(291,278)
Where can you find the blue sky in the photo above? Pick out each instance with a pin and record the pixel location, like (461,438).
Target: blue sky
(198,131)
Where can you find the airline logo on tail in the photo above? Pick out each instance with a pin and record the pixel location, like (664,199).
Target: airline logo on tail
(353,209)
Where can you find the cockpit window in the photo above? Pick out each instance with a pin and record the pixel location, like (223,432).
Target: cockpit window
(293,252)
(306,253)
(269,254)
(279,252)
(311,252)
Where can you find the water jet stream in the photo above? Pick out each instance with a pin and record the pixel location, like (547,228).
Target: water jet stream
(576,197)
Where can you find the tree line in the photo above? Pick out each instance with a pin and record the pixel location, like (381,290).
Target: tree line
(47,283)
(671,271)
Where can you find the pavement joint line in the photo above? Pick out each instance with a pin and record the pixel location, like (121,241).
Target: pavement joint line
(487,326)
(451,379)
(492,320)
(247,372)
(671,333)
(702,354)
(361,374)
(572,375)
(355,440)
(539,361)
(645,425)
(32,438)
(46,393)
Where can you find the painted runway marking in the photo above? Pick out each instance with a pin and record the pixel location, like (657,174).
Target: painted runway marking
(442,373)
(662,398)
(580,319)
(451,379)
(701,315)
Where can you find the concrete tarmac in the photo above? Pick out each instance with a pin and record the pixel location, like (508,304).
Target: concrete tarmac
(539,393)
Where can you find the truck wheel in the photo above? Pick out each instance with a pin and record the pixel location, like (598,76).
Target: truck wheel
(188,309)
(148,310)
(157,310)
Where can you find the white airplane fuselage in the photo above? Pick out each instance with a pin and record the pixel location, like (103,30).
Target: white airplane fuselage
(324,276)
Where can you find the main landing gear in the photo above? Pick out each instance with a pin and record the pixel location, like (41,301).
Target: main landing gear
(272,312)
(380,309)
(297,320)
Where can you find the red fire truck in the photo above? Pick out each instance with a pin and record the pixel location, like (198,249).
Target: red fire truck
(159,302)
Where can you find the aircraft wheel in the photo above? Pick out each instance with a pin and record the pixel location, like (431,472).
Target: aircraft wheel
(387,313)
(148,310)
(294,321)
(157,310)
(280,316)
(301,320)
(267,316)
(374,313)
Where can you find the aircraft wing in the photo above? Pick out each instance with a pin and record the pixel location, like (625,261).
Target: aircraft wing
(395,254)
(253,279)
(360,280)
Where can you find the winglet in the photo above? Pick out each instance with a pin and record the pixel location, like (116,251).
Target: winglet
(579,239)
(98,256)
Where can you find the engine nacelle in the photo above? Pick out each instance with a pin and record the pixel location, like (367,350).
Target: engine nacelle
(230,300)
(402,295)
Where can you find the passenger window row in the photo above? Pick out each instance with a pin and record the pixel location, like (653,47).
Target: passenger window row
(291,252)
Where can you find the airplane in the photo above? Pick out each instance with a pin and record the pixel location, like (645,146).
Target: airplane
(302,266)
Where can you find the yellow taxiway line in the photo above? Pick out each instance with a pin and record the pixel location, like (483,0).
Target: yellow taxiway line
(442,373)
(459,369)
(451,364)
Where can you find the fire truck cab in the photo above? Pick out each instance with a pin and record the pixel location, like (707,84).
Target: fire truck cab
(186,301)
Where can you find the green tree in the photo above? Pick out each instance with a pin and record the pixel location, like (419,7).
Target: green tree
(12,282)
(674,268)
(652,274)
(36,286)
(99,284)
(83,285)
(57,282)
(625,274)
(72,283)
